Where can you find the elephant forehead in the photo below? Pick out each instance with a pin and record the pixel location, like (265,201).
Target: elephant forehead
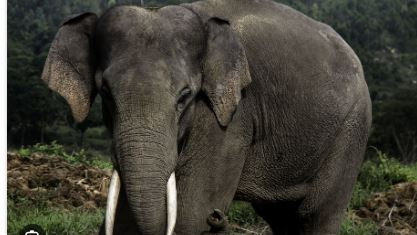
(133,26)
(158,75)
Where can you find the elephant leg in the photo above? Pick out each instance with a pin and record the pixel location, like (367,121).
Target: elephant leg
(281,217)
(124,223)
(324,208)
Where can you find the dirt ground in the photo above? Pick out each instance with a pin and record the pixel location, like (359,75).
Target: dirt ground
(395,211)
(58,183)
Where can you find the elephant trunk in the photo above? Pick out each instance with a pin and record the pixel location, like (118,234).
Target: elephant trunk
(113,196)
(146,158)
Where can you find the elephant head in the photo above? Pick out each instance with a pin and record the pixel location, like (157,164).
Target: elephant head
(149,67)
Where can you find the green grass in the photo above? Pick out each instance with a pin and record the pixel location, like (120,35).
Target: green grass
(352,226)
(243,214)
(61,221)
(53,220)
(378,174)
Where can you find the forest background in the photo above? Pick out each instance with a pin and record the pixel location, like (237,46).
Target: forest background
(382,32)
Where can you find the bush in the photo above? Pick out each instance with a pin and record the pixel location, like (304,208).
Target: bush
(382,172)
(49,149)
(378,175)
(54,149)
(359,196)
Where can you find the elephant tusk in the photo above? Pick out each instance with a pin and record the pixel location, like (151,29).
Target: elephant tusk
(171,204)
(112,198)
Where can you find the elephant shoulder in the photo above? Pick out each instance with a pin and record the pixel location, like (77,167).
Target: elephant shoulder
(277,37)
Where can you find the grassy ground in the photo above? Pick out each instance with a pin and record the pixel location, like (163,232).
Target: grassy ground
(63,221)
(376,175)
(55,221)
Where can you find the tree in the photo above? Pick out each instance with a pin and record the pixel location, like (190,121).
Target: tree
(395,124)
(32,25)
(383,33)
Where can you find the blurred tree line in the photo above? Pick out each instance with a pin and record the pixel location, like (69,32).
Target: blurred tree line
(382,32)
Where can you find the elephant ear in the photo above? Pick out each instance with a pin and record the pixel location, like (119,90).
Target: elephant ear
(70,65)
(225,69)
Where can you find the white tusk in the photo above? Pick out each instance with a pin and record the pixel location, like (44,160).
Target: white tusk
(171,204)
(112,198)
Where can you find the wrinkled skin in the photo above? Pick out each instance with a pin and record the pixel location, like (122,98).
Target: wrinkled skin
(247,100)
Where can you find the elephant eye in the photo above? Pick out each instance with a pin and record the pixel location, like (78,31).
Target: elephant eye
(105,90)
(185,94)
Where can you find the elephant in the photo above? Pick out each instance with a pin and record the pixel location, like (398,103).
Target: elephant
(214,101)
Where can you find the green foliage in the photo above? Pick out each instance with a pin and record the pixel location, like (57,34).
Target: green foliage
(378,174)
(354,226)
(396,126)
(243,214)
(381,172)
(52,220)
(31,105)
(49,149)
(24,152)
(55,149)
(359,196)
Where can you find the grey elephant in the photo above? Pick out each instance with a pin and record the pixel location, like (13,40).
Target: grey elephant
(218,100)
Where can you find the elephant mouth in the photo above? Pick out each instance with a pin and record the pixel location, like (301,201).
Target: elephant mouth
(113,196)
